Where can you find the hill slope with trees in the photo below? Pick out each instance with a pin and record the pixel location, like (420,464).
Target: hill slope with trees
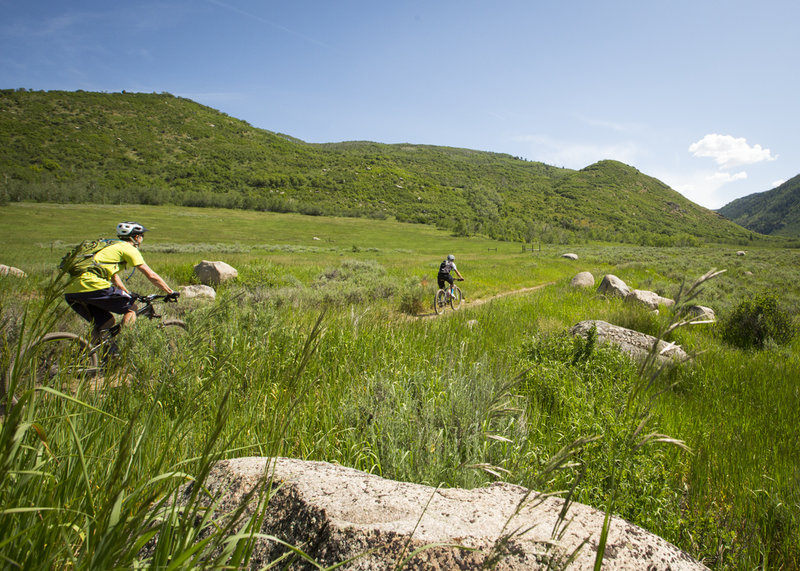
(775,212)
(160,149)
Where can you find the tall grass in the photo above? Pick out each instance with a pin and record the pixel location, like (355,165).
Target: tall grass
(493,391)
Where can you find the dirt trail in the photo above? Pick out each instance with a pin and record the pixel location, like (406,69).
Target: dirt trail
(483,300)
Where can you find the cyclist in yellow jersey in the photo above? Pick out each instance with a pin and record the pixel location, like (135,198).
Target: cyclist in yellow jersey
(98,293)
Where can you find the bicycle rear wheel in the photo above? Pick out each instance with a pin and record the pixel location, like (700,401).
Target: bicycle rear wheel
(53,360)
(456,298)
(439,301)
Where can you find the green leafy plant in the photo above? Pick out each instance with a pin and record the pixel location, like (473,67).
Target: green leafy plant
(756,321)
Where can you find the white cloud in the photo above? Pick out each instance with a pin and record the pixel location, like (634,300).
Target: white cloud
(729,152)
(777,183)
(724,177)
(706,188)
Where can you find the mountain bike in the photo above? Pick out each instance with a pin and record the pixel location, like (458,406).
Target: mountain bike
(451,296)
(66,357)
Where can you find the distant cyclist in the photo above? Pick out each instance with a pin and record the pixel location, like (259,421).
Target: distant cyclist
(98,292)
(447,266)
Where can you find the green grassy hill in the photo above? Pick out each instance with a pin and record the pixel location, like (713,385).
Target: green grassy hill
(775,212)
(160,149)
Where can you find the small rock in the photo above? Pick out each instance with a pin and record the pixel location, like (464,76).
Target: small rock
(214,273)
(198,291)
(611,285)
(12,271)
(583,279)
(649,298)
(741,253)
(570,256)
(701,313)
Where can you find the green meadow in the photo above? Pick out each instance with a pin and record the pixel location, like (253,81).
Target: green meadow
(324,348)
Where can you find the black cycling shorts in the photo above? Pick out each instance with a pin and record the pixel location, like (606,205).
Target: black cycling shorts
(442,278)
(97,306)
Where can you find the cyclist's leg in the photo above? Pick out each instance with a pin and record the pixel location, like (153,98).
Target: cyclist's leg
(450,280)
(98,318)
(129,318)
(101,305)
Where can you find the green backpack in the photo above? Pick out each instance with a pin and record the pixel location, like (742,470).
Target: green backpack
(81,258)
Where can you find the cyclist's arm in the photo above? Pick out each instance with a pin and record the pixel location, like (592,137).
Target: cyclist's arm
(118,283)
(458,273)
(154,278)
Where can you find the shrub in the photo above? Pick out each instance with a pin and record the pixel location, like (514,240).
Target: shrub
(755,322)
(415,296)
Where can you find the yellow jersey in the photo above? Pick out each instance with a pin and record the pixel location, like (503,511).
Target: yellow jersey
(111,260)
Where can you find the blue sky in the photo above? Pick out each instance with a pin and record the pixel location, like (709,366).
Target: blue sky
(702,95)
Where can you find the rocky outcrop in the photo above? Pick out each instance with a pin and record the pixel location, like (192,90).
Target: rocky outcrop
(583,279)
(214,273)
(11,271)
(335,513)
(612,286)
(649,298)
(638,345)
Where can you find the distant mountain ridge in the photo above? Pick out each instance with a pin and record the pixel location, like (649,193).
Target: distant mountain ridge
(775,212)
(160,149)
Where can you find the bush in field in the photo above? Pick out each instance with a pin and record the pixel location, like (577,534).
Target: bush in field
(354,281)
(757,321)
(415,296)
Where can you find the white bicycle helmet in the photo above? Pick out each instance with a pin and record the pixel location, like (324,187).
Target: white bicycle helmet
(451,258)
(125,229)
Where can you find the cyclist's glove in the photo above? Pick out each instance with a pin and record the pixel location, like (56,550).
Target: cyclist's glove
(172,297)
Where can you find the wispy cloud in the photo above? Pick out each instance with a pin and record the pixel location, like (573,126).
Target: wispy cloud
(724,177)
(729,152)
(577,155)
(257,18)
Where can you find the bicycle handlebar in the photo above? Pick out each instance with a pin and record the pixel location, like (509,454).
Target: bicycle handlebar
(165,297)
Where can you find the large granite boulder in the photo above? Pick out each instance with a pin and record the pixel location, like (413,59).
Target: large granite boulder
(214,273)
(583,279)
(649,298)
(612,286)
(335,513)
(638,345)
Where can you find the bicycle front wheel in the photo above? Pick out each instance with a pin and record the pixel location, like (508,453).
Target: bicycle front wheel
(439,301)
(456,298)
(56,359)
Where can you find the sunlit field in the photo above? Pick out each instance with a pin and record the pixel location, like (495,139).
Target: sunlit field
(325,348)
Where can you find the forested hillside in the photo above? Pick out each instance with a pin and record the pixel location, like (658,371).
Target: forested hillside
(161,149)
(775,212)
